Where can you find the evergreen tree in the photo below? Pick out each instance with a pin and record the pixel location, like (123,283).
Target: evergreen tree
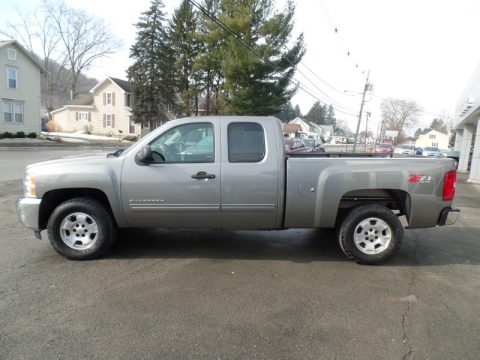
(257,80)
(298,112)
(185,46)
(330,116)
(151,74)
(287,112)
(317,113)
(439,125)
(209,61)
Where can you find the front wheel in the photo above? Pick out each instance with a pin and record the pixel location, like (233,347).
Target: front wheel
(370,234)
(81,229)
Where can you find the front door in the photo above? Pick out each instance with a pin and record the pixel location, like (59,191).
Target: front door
(181,188)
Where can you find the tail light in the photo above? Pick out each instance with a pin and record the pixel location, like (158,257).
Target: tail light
(449,185)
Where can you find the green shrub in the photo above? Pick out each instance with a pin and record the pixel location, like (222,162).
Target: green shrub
(32,135)
(19,134)
(7,135)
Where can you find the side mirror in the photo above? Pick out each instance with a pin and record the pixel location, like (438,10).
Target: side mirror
(145,154)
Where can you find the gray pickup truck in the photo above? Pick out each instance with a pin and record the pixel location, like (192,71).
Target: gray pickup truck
(232,173)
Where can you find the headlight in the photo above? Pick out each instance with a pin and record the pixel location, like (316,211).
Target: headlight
(29,188)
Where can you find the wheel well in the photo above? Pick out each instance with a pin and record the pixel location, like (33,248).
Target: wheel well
(395,200)
(52,199)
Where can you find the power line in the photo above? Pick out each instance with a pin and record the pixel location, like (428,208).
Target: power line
(335,29)
(240,40)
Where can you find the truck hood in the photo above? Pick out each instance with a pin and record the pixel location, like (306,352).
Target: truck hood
(86,159)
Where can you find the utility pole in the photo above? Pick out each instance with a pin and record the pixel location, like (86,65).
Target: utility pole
(366,88)
(366,129)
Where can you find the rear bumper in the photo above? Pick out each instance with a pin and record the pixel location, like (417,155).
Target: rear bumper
(448,216)
(28,210)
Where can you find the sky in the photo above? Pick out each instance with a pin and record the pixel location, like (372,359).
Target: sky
(417,50)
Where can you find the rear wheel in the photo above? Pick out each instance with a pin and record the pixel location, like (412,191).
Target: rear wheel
(81,229)
(370,234)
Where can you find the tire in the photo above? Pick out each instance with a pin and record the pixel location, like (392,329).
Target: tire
(370,234)
(81,229)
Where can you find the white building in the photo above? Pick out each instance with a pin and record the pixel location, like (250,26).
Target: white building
(307,131)
(19,89)
(433,138)
(106,109)
(467,116)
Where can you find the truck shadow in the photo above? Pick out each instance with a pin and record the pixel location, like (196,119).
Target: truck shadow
(298,245)
(427,247)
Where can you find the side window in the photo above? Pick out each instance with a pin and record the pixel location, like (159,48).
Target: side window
(246,142)
(12,78)
(189,143)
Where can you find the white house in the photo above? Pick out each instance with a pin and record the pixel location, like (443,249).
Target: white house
(307,131)
(19,89)
(106,109)
(433,138)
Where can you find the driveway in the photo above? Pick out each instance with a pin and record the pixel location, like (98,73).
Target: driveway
(291,294)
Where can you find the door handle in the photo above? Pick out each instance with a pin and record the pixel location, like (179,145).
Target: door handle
(203,175)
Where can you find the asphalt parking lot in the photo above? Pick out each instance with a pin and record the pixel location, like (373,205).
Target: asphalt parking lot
(290,294)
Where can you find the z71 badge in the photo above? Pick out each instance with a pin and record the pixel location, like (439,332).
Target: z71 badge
(422,179)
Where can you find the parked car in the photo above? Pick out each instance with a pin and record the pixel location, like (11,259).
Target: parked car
(431,151)
(315,145)
(293,146)
(455,155)
(384,148)
(405,150)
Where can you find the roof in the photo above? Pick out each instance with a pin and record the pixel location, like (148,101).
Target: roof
(292,128)
(24,51)
(82,99)
(122,84)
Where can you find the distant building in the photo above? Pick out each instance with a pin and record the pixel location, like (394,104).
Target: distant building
(307,131)
(291,130)
(433,138)
(19,89)
(467,118)
(105,110)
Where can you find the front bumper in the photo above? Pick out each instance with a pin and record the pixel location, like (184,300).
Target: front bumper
(448,216)
(28,210)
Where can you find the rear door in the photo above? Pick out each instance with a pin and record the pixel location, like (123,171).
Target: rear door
(252,184)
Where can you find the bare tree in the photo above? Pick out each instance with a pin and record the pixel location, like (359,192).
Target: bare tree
(36,32)
(67,41)
(399,115)
(84,38)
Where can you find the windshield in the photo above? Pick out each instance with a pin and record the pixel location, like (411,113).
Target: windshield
(407,147)
(431,149)
(385,145)
(310,143)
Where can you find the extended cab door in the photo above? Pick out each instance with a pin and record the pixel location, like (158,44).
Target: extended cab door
(252,173)
(181,188)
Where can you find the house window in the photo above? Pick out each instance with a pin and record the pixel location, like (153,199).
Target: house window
(434,144)
(12,78)
(13,111)
(128,99)
(146,125)
(83,115)
(108,120)
(109,98)
(432,136)
(12,54)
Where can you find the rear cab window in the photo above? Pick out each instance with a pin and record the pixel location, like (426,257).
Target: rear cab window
(246,142)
